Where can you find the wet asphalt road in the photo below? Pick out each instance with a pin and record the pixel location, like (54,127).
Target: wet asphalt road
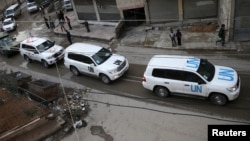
(130,83)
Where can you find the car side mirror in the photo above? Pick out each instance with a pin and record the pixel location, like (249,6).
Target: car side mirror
(92,65)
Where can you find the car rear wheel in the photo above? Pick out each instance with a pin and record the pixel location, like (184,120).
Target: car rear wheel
(75,71)
(162,91)
(218,99)
(27,59)
(105,79)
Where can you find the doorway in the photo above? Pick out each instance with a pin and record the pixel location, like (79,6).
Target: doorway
(134,17)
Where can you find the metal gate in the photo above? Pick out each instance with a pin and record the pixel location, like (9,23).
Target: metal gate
(163,10)
(108,10)
(195,9)
(85,9)
(242,20)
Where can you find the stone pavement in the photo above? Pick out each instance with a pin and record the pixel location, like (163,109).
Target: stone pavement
(155,36)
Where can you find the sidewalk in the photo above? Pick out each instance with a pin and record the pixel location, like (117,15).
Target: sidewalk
(97,32)
(155,36)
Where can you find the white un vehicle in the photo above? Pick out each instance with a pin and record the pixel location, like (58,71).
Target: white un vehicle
(96,61)
(42,50)
(187,75)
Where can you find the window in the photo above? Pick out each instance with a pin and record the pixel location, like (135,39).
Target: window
(80,58)
(169,74)
(29,48)
(206,70)
(45,46)
(191,77)
(101,56)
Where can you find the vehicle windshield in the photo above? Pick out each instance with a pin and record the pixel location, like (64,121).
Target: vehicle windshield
(6,41)
(7,22)
(66,2)
(206,70)
(31,4)
(101,56)
(8,12)
(45,46)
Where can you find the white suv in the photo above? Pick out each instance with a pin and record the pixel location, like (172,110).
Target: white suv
(9,24)
(42,50)
(187,75)
(95,61)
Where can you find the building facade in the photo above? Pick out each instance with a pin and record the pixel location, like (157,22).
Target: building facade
(233,13)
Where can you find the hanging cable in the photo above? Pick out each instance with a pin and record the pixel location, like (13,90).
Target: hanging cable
(67,102)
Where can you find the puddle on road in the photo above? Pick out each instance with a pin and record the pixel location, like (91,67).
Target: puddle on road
(99,131)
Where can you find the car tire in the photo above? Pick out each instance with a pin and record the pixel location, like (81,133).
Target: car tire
(105,79)
(218,99)
(75,71)
(45,64)
(162,91)
(27,59)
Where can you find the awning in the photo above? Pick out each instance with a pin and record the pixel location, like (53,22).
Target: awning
(129,4)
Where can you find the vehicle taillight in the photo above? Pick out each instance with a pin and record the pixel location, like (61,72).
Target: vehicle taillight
(144,78)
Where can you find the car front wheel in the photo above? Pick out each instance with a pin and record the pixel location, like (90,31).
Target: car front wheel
(45,64)
(27,59)
(218,99)
(105,79)
(162,91)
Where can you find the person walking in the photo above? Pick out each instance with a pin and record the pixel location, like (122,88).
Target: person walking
(58,16)
(68,36)
(222,34)
(61,14)
(68,22)
(51,23)
(178,36)
(87,25)
(61,23)
(46,21)
(172,37)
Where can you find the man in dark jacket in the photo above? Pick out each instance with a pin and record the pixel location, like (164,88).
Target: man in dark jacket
(222,35)
(178,36)
(68,36)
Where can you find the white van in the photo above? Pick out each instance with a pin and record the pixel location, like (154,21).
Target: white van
(13,11)
(67,5)
(188,75)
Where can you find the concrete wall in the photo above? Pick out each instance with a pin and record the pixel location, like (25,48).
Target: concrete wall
(225,16)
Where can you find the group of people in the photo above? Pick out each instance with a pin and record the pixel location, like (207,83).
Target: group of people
(50,24)
(173,36)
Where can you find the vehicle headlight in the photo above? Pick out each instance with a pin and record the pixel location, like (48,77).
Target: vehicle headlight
(50,57)
(113,71)
(232,89)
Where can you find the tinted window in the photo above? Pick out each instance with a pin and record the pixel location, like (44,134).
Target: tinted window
(169,74)
(80,58)
(101,56)
(191,77)
(45,46)
(28,48)
(206,70)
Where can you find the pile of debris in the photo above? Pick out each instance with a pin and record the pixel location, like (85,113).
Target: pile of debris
(54,101)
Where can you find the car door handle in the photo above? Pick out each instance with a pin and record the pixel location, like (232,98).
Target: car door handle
(186,85)
(166,82)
